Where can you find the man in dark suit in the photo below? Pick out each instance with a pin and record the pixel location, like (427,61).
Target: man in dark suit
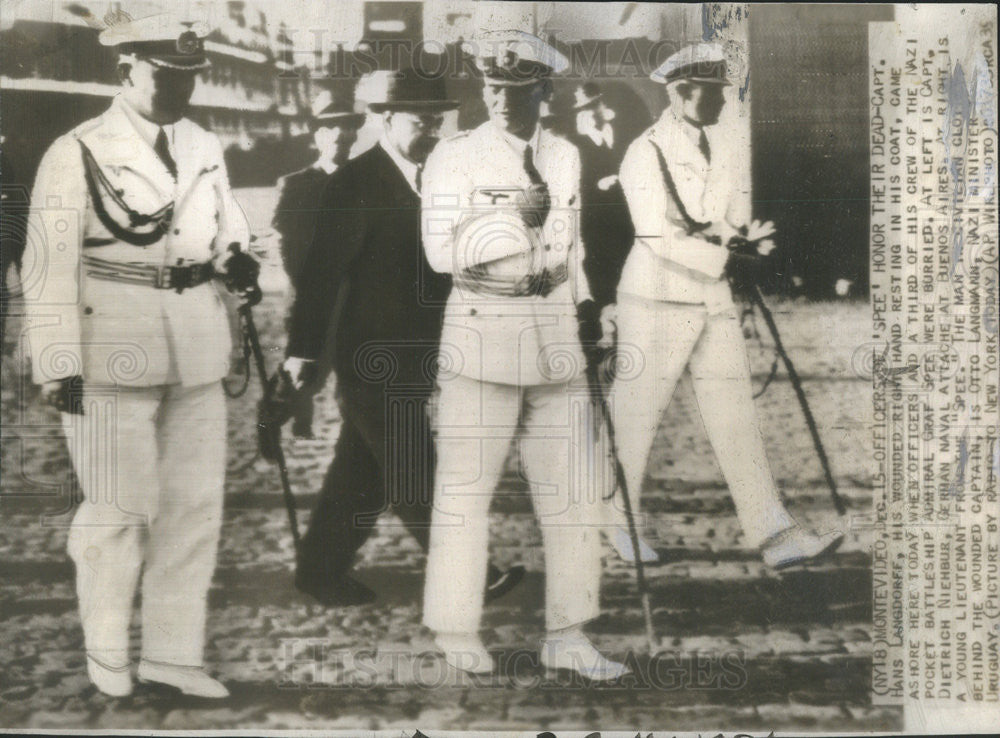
(605,224)
(367,274)
(334,125)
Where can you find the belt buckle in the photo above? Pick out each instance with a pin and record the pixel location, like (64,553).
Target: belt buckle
(163,279)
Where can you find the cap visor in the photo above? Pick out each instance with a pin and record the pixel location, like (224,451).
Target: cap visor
(184,65)
(710,81)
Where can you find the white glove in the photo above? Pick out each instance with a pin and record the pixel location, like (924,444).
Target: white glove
(606,183)
(758,230)
(300,370)
(765,247)
(609,326)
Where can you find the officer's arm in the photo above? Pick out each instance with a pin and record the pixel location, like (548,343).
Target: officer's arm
(440,212)
(233,224)
(338,235)
(656,217)
(739,211)
(445,198)
(51,264)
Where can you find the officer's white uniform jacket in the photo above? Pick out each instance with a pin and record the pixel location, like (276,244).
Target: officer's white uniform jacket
(665,263)
(112,332)
(469,183)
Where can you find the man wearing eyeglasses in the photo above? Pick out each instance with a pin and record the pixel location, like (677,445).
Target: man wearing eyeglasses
(365,273)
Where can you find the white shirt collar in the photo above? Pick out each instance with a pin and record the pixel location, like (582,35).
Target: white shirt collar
(516,142)
(326,166)
(407,167)
(147,129)
(601,136)
(668,120)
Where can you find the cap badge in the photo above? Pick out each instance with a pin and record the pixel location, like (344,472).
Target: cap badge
(187,43)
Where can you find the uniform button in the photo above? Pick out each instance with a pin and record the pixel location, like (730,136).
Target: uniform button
(88,310)
(177,231)
(548,247)
(472,311)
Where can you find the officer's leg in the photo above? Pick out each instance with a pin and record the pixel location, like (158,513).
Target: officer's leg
(720,371)
(655,340)
(554,449)
(113,447)
(476,421)
(334,534)
(184,535)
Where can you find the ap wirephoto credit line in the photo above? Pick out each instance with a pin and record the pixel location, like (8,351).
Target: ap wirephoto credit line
(460,367)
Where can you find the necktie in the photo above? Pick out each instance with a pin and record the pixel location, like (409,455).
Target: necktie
(163,151)
(703,146)
(529,167)
(418,179)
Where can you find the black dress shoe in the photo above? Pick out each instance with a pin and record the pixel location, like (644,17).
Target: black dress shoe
(499,582)
(342,591)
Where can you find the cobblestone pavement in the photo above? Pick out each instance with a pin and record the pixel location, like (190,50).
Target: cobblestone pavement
(740,647)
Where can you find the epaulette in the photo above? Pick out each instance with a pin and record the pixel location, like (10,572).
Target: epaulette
(458,136)
(84,128)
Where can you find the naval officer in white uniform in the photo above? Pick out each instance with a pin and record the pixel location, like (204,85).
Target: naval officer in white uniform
(129,338)
(500,210)
(687,186)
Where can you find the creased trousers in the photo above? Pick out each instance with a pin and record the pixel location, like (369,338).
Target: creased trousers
(476,423)
(663,339)
(151,463)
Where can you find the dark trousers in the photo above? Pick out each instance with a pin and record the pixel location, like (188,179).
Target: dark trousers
(384,458)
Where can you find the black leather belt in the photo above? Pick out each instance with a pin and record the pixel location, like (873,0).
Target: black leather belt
(161,277)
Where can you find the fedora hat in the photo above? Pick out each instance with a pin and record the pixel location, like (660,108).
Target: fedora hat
(586,96)
(409,90)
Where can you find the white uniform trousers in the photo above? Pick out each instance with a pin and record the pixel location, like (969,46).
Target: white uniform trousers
(151,464)
(475,425)
(664,338)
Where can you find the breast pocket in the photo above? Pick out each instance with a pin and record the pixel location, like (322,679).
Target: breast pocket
(196,222)
(689,178)
(137,191)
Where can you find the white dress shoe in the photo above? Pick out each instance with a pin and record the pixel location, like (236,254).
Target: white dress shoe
(622,543)
(796,545)
(114,681)
(190,680)
(572,650)
(465,652)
